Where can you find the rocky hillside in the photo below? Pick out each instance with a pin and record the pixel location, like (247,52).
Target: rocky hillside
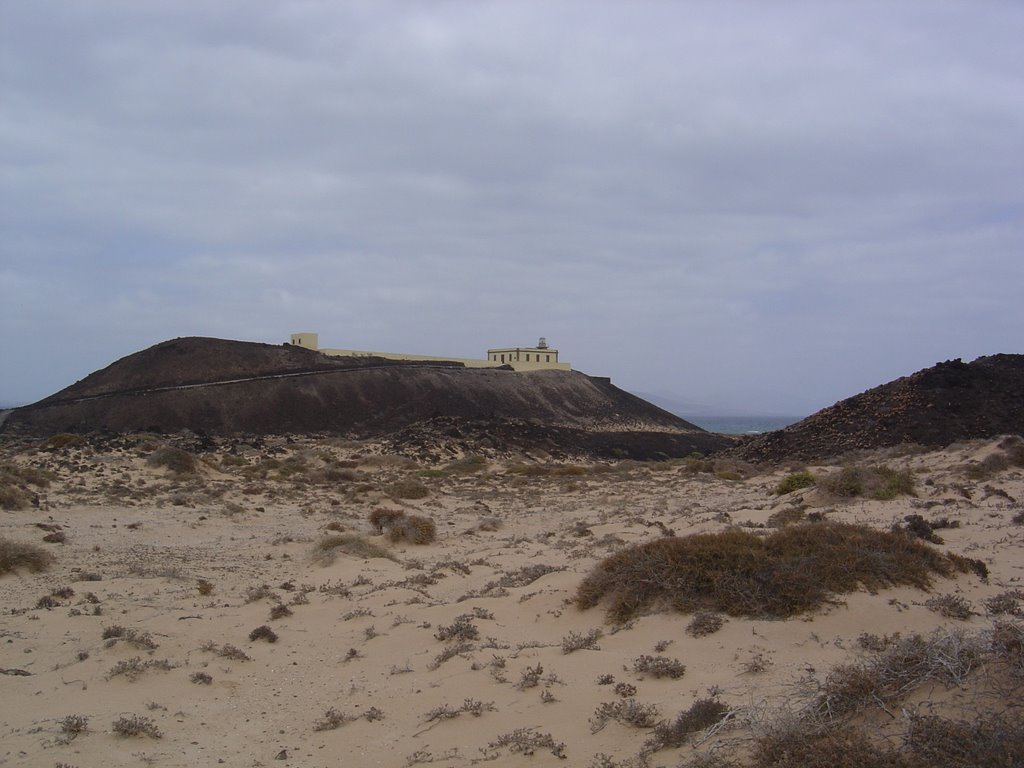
(934,407)
(222,387)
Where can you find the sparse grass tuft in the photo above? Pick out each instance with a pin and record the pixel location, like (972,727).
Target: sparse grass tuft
(14,554)
(790,571)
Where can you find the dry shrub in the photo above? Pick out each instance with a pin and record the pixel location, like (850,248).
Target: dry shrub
(15,480)
(408,489)
(992,741)
(132,669)
(659,666)
(1007,644)
(468,464)
(803,745)
(136,725)
(921,528)
(334,719)
(704,623)
(280,611)
(1010,454)
(461,629)
(905,664)
(62,440)
(415,529)
(328,548)
(576,641)
(526,741)
(950,606)
(15,554)
(263,632)
(381,518)
(702,714)
(174,460)
(116,632)
(786,516)
(73,725)
(625,711)
(790,571)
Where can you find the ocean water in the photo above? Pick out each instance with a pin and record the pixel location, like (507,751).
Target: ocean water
(742,425)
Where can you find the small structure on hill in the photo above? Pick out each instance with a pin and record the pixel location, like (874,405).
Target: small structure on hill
(539,358)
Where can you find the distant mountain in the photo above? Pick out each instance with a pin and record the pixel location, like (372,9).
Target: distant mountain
(215,386)
(934,407)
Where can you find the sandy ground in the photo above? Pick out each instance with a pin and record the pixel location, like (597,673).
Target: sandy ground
(142,546)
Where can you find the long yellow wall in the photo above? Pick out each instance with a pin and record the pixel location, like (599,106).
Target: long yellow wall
(311,340)
(468,362)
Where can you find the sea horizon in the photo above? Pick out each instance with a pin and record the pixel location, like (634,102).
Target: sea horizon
(742,425)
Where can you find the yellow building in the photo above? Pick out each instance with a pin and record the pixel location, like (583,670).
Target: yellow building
(527,358)
(538,358)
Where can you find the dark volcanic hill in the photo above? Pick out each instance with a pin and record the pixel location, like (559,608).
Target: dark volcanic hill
(213,386)
(934,407)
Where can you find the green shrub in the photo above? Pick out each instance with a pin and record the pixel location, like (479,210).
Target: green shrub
(794,482)
(882,483)
(792,570)
(892,483)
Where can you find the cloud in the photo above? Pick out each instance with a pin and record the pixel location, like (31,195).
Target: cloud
(760,206)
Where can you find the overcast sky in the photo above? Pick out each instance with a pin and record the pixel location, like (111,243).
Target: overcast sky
(750,206)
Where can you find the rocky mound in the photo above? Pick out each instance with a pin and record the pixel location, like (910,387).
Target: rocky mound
(934,407)
(219,387)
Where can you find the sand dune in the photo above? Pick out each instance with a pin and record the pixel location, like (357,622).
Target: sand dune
(437,653)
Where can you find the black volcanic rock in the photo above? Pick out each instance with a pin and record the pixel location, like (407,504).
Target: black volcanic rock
(934,407)
(219,387)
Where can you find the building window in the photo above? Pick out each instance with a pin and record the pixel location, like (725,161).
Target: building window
(549,359)
(527,357)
